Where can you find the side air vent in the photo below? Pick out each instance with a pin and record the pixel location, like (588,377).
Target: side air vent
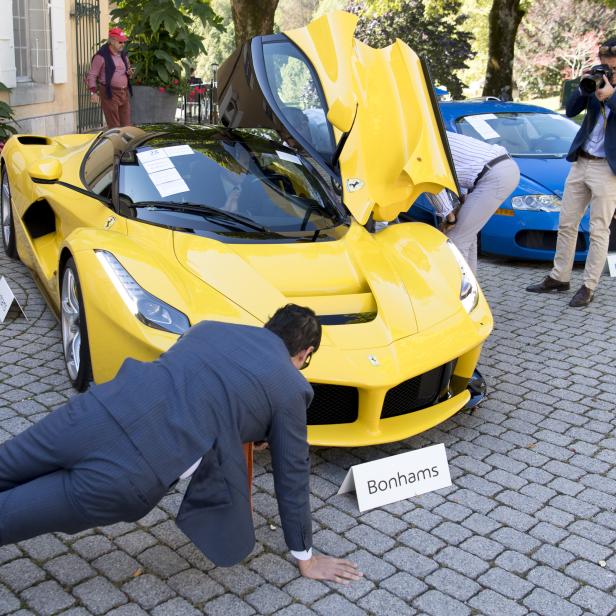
(33,140)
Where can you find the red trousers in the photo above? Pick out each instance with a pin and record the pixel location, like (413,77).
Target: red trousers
(117,108)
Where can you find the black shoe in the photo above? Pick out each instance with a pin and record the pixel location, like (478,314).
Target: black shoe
(583,297)
(548,284)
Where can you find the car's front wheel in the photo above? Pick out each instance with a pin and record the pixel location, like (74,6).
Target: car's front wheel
(74,329)
(6,217)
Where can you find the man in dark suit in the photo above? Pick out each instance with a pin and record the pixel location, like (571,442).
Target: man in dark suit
(111,454)
(592,178)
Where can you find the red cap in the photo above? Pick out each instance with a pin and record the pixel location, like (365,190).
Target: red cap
(118,33)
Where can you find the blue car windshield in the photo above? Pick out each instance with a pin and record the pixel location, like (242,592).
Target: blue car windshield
(525,134)
(253,177)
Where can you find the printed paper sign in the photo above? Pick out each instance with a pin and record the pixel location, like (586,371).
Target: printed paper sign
(172,188)
(398,477)
(158,165)
(178,150)
(150,155)
(166,175)
(6,300)
(611,263)
(478,122)
(290,157)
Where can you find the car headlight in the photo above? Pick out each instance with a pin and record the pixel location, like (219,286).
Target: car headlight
(538,203)
(469,289)
(147,308)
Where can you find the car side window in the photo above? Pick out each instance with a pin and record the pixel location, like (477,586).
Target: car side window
(98,168)
(298,94)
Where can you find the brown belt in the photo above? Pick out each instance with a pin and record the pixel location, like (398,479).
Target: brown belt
(585,154)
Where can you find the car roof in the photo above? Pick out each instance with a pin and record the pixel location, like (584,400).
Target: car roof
(455,109)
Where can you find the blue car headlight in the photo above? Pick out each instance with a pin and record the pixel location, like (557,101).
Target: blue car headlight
(145,306)
(469,289)
(537,203)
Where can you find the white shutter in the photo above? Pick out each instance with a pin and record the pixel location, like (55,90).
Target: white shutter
(58,40)
(8,72)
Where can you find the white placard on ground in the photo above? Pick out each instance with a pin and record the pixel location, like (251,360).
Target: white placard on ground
(611,263)
(6,300)
(398,477)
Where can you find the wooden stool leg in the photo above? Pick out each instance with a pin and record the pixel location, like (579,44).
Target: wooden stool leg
(248,455)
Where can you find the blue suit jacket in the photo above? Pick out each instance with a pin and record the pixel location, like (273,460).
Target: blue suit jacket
(576,104)
(220,386)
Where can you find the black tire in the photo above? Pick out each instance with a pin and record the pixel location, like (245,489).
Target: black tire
(75,342)
(7,224)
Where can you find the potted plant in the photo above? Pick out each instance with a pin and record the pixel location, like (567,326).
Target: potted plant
(6,117)
(163,44)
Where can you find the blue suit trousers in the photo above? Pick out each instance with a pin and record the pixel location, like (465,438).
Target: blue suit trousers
(73,470)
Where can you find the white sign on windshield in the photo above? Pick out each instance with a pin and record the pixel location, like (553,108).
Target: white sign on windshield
(178,150)
(150,155)
(478,122)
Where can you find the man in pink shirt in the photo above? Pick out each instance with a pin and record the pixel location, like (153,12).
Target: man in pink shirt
(109,79)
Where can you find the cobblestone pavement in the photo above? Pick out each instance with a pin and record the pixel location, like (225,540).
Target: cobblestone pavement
(529,525)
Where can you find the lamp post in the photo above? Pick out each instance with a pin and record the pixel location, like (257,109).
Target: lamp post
(213,85)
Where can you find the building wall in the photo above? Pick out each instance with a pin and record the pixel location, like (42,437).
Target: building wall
(49,108)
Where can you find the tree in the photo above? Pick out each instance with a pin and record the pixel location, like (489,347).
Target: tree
(436,34)
(252,18)
(555,42)
(504,19)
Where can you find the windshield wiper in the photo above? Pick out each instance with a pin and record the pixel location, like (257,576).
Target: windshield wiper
(204,210)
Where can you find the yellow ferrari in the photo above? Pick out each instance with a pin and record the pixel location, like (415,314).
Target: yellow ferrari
(136,233)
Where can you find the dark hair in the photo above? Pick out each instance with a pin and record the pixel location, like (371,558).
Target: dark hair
(608,49)
(297,326)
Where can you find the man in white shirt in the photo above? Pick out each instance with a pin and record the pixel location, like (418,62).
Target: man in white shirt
(488,175)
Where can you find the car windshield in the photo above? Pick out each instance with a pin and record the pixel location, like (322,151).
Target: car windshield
(526,134)
(243,175)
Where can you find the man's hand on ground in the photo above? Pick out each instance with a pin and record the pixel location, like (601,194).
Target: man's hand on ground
(329,568)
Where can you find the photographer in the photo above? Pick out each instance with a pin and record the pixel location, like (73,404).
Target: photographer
(592,178)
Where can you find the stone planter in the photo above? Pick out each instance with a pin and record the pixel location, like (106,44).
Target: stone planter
(150,105)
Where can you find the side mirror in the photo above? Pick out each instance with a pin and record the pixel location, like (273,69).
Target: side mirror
(45,170)
(342,114)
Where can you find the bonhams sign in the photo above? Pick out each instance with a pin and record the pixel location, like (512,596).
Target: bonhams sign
(398,477)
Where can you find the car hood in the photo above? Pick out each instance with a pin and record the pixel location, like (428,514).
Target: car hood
(353,281)
(543,175)
(394,148)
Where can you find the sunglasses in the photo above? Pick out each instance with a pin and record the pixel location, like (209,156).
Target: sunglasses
(607,50)
(306,361)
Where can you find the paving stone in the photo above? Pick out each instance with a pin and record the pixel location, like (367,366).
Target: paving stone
(335,604)
(268,599)
(381,602)
(515,562)
(116,566)
(404,586)
(423,542)
(148,591)
(296,610)
(515,540)
(162,561)
(370,539)
(553,557)
(238,579)
(43,548)
(599,577)
(92,547)
(99,595)
(494,604)
(596,602)
(548,604)
(384,522)
(333,518)
(505,583)
(195,586)
(47,598)
(8,601)
(585,548)
(135,542)
(451,533)
(274,569)
(453,584)
(69,569)
(306,591)
(484,548)
(130,609)
(481,524)
(438,603)
(374,568)
(9,552)
(20,574)
(461,561)
(175,607)
(226,605)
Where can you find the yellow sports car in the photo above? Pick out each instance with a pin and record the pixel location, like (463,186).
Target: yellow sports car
(138,232)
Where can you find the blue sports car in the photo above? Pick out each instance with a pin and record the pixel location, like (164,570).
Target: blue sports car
(538,139)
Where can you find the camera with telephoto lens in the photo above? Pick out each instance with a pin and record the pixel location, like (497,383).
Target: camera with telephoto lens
(594,79)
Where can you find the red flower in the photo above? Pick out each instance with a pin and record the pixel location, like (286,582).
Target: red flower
(161,89)
(175,82)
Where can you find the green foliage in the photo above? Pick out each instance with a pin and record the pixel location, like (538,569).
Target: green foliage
(163,41)
(556,41)
(6,116)
(436,35)
(218,40)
